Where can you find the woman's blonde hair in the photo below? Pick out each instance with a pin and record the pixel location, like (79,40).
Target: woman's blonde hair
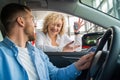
(52,18)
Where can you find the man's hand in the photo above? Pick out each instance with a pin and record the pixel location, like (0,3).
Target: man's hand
(69,47)
(84,62)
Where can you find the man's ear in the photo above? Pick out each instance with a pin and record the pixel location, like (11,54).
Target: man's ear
(20,21)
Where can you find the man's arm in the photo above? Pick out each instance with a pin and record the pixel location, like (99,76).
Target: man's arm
(84,62)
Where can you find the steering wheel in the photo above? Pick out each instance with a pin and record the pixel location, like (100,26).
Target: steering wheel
(105,61)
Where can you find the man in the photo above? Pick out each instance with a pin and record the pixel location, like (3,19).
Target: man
(19,60)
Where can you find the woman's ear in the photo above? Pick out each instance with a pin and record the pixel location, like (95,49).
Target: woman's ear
(20,21)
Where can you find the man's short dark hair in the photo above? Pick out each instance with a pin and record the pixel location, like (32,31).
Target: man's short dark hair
(9,11)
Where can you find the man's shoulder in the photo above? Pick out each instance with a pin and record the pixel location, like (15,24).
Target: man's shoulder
(1,44)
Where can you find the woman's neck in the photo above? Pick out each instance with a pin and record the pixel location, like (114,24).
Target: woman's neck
(53,39)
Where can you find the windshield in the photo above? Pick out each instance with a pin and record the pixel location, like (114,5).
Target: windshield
(110,7)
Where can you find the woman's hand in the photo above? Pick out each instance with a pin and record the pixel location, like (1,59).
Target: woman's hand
(78,25)
(69,47)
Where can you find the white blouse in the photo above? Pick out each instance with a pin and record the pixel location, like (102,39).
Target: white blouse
(43,42)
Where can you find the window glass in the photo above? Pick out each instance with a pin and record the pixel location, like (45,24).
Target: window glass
(1,37)
(105,6)
(110,4)
(87,28)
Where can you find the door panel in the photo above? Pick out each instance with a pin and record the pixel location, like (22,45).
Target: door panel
(62,59)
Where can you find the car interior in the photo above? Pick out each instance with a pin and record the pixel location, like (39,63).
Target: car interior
(106,62)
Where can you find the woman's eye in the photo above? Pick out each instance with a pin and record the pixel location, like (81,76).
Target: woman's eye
(59,25)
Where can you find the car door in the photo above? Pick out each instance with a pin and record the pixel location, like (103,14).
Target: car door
(62,59)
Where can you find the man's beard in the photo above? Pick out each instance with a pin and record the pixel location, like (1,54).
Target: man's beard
(31,38)
(31,35)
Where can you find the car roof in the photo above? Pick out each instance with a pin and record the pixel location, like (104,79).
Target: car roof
(73,7)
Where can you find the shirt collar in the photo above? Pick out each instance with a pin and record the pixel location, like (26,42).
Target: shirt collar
(58,37)
(8,42)
(11,44)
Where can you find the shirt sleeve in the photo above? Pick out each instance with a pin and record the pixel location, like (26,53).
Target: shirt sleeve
(48,48)
(67,39)
(78,41)
(39,39)
(66,73)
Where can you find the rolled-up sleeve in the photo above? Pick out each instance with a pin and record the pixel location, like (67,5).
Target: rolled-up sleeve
(67,73)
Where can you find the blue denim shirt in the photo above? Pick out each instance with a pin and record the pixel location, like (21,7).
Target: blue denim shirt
(11,68)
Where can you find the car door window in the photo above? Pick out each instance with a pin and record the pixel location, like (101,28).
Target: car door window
(87,28)
(1,37)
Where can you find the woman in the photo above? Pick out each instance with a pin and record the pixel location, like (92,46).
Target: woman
(52,37)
